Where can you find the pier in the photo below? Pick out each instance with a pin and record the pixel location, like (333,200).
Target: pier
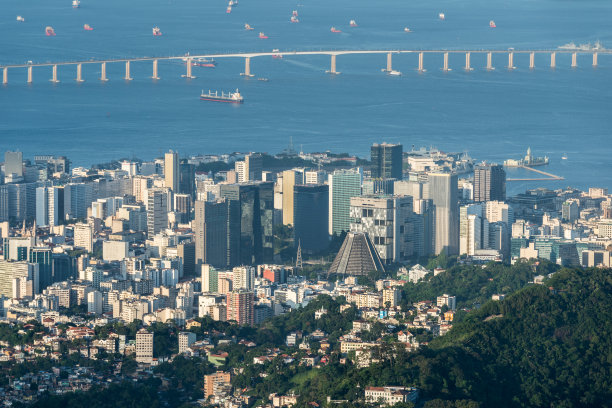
(549,176)
(333,54)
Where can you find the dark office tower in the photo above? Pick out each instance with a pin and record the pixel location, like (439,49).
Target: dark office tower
(186,178)
(211,233)
(489,183)
(387,160)
(254,164)
(182,206)
(443,192)
(311,216)
(43,257)
(250,221)
(186,251)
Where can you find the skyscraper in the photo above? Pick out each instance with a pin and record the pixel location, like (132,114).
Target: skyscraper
(157,210)
(310,216)
(386,160)
(211,232)
(240,306)
(443,192)
(182,206)
(13,164)
(171,171)
(388,222)
(83,236)
(49,206)
(186,178)
(290,179)
(489,183)
(343,184)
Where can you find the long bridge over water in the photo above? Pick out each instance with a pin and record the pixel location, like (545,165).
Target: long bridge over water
(333,54)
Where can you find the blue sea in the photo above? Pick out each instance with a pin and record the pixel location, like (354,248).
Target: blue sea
(493,115)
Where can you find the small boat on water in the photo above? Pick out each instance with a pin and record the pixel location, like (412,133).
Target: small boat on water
(335,30)
(295,13)
(230,97)
(248,27)
(87,27)
(441,16)
(294,19)
(76,3)
(564,157)
(228,9)
(20,19)
(263,36)
(394,73)
(353,23)
(263,79)
(492,24)
(407,30)
(156,31)
(49,31)
(276,56)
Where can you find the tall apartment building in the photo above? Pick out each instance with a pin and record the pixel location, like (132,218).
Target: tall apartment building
(244,278)
(343,184)
(185,340)
(443,191)
(157,210)
(489,183)
(240,306)
(388,222)
(144,346)
(83,236)
(291,178)
(49,206)
(386,160)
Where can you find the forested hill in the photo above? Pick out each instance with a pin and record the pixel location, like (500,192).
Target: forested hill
(544,346)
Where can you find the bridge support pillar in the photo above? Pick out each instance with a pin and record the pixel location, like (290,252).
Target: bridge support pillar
(553,60)
(420,68)
(4,76)
(127,71)
(188,74)
(490,61)
(332,67)
(594,59)
(511,60)
(79,77)
(54,75)
(389,62)
(532,60)
(247,67)
(103,72)
(29,75)
(155,70)
(468,67)
(574,60)
(445,67)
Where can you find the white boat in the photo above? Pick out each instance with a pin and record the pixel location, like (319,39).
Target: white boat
(21,19)
(407,30)
(564,157)
(76,3)
(353,23)
(394,73)
(441,16)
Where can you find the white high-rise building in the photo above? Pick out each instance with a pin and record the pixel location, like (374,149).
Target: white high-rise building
(83,236)
(448,300)
(171,171)
(242,171)
(144,346)
(185,339)
(244,278)
(94,302)
(473,229)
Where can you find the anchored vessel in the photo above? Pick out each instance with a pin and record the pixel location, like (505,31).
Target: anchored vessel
(156,31)
(49,31)
(230,97)
(248,27)
(87,27)
(441,16)
(492,24)
(76,3)
(262,35)
(205,62)
(294,19)
(335,30)
(407,30)
(20,19)
(353,23)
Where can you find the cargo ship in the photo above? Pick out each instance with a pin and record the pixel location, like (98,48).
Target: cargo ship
(156,31)
(492,24)
(248,27)
(407,30)
(353,23)
(76,3)
(20,19)
(205,62)
(335,30)
(263,36)
(230,97)
(49,31)
(87,27)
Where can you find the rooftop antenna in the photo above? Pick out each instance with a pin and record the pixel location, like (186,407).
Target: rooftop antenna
(298,260)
